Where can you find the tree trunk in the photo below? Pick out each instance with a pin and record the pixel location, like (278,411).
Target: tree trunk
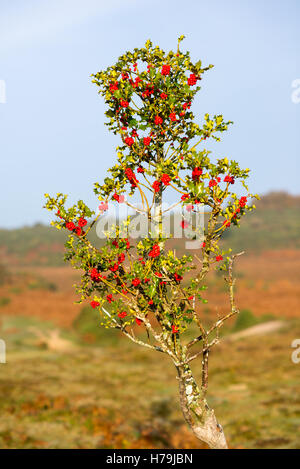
(200,418)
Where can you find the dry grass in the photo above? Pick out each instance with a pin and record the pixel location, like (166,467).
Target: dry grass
(126,397)
(120,396)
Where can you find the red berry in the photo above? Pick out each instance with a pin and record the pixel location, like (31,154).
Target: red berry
(165,179)
(124,103)
(192,80)
(155,251)
(129,141)
(70,226)
(196,173)
(82,222)
(135,282)
(156,186)
(165,70)
(123,314)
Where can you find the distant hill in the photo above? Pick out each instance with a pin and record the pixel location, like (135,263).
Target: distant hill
(37,244)
(275,224)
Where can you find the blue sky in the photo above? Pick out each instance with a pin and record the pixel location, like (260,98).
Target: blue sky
(52,134)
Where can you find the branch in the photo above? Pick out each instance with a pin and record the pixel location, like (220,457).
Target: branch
(140,210)
(164,346)
(131,337)
(194,341)
(171,207)
(158,337)
(140,342)
(230,280)
(203,351)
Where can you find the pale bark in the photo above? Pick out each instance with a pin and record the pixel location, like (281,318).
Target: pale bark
(198,415)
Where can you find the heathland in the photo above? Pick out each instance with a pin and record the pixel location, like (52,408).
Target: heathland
(68,383)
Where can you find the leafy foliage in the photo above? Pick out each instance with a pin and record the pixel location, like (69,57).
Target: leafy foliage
(149,95)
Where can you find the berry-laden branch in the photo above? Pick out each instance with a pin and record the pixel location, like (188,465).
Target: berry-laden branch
(143,288)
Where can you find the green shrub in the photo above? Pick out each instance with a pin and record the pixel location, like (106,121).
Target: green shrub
(244,320)
(42,284)
(4,301)
(87,325)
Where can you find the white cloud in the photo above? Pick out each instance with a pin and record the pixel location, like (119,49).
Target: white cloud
(41,20)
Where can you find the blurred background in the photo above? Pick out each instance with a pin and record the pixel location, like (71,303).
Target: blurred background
(66,382)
